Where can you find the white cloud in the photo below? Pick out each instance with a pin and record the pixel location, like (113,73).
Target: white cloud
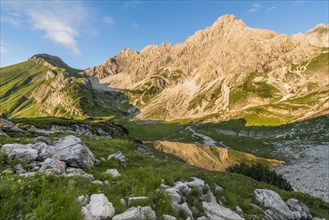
(108,20)
(135,25)
(271,8)
(60,21)
(254,7)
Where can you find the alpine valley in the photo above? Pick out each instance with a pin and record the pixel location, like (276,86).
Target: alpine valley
(230,124)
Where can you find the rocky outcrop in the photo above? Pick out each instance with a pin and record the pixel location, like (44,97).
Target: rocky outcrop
(276,208)
(7,125)
(205,199)
(64,157)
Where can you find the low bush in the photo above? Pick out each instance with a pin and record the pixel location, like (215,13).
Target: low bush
(261,173)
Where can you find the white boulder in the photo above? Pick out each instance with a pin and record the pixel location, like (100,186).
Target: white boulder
(74,152)
(137,213)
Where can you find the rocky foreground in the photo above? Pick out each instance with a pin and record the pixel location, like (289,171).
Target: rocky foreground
(194,199)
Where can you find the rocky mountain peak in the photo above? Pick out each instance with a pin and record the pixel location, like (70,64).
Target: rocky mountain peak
(318,36)
(49,60)
(228,20)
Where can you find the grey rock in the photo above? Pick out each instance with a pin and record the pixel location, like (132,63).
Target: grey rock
(218,188)
(132,200)
(74,152)
(3,134)
(98,182)
(42,132)
(112,172)
(238,210)
(182,207)
(43,139)
(99,207)
(216,212)
(137,213)
(164,186)
(209,197)
(5,124)
(199,183)
(19,169)
(203,218)
(223,199)
(44,150)
(28,174)
(295,205)
(35,169)
(22,152)
(70,172)
(87,215)
(52,165)
(168,217)
(120,157)
(271,200)
(102,159)
(183,188)
(83,200)
(174,194)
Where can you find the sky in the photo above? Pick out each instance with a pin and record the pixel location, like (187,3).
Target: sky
(86,33)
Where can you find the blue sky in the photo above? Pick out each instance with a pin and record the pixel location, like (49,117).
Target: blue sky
(86,33)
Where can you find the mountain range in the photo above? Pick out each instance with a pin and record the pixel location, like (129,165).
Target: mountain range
(225,71)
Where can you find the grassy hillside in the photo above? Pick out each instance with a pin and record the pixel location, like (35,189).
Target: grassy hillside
(17,82)
(38,87)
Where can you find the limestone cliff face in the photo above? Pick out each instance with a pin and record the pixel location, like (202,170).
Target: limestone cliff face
(224,70)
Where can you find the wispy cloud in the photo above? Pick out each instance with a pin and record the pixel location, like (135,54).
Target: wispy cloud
(12,20)
(108,20)
(3,48)
(254,8)
(135,25)
(56,20)
(271,8)
(131,4)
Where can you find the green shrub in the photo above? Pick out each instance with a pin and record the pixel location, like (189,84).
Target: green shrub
(261,173)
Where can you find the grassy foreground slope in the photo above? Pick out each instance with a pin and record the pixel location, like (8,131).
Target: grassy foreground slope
(54,197)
